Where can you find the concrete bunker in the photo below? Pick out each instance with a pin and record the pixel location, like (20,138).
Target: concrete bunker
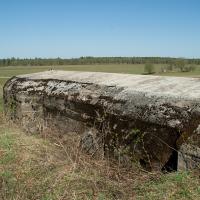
(146,119)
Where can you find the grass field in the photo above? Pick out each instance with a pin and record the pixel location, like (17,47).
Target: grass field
(120,68)
(37,168)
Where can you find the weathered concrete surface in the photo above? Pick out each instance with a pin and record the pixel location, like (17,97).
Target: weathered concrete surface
(144,117)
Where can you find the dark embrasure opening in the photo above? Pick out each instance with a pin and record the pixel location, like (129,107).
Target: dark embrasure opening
(172,163)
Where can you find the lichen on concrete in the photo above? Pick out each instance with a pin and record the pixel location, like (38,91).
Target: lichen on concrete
(144,117)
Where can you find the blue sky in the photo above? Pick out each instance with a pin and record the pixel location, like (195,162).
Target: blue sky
(73,28)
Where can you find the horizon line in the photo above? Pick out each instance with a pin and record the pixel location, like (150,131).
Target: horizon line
(80,57)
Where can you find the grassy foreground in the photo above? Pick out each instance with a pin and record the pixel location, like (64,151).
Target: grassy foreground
(34,167)
(37,167)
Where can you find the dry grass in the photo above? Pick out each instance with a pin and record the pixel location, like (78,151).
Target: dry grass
(43,168)
(32,167)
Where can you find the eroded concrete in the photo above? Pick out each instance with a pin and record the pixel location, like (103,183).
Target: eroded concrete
(144,117)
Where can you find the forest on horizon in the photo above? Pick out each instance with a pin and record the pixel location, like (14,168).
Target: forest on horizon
(95,60)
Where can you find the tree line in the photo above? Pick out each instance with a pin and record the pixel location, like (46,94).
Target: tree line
(96,60)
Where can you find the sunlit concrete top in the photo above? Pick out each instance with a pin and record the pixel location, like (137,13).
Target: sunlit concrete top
(165,110)
(186,88)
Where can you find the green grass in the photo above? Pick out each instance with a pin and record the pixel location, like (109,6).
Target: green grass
(117,68)
(132,69)
(179,185)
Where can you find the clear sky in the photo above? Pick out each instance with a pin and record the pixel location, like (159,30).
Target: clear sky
(73,28)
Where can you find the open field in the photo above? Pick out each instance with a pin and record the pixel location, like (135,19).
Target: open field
(121,68)
(117,68)
(34,167)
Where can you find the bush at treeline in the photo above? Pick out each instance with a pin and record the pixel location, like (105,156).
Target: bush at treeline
(94,60)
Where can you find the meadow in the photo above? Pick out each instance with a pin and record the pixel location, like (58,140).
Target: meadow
(35,167)
(110,68)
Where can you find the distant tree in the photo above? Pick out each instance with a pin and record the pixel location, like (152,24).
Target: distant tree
(149,68)
(181,65)
(170,67)
(192,67)
(189,68)
(4,61)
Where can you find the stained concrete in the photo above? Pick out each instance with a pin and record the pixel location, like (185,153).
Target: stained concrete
(144,117)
